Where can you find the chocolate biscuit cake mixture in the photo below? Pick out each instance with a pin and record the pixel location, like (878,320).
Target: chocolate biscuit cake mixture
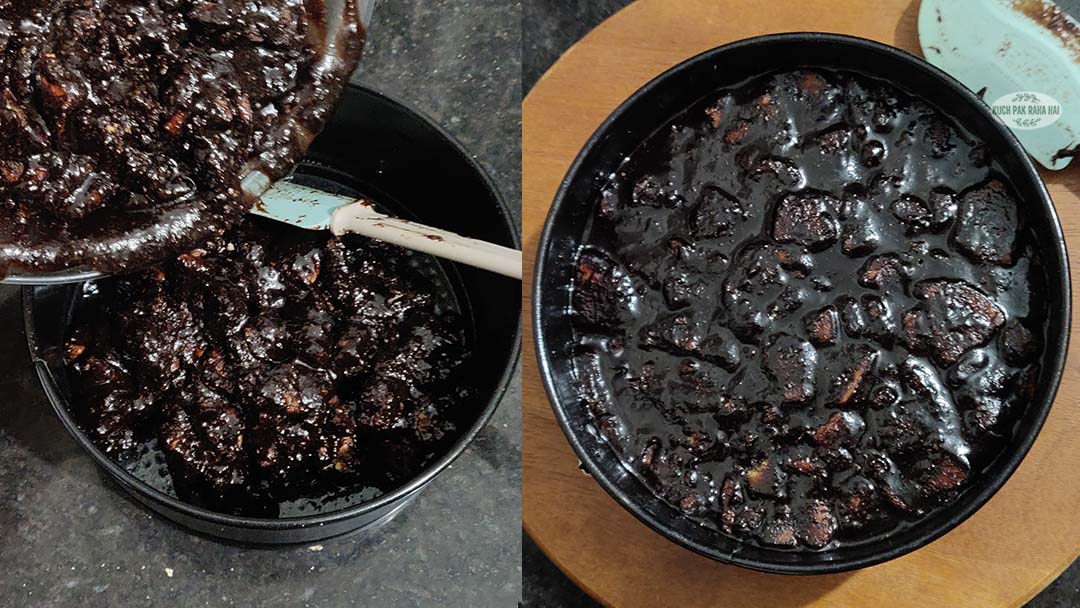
(126,127)
(808,310)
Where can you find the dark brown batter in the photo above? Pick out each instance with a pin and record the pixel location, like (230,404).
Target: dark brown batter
(126,127)
(808,310)
(273,365)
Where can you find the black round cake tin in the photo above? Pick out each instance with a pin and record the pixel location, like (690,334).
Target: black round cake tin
(649,109)
(379,147)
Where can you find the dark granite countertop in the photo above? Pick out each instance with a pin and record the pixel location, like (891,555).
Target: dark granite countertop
(71,538)
(551,27)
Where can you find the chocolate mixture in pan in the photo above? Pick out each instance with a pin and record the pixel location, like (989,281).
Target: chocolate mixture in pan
(808,310)
(268,368)
(125,127)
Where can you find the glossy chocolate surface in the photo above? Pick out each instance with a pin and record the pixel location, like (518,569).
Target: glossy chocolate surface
(808,310)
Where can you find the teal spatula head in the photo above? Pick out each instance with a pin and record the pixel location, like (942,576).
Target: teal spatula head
(314,209)
(1024,58)
(299,205)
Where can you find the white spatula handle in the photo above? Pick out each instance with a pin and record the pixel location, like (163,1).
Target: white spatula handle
(362,219)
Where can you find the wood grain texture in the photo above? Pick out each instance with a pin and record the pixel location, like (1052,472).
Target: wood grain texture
(1002,556)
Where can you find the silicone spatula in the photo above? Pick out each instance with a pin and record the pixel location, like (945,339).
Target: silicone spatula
(317,210)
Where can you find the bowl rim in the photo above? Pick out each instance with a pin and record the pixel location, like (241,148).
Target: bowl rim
(402,492)
(1038,411)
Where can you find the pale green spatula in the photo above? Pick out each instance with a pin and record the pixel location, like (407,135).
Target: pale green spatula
(1024,58)
(317,210)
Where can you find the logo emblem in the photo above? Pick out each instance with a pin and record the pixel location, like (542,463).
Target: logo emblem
(1027,110)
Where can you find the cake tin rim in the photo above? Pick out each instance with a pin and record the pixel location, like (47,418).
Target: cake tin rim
(1056,317)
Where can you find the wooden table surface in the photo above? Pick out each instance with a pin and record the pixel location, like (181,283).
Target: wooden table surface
(1002,556)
